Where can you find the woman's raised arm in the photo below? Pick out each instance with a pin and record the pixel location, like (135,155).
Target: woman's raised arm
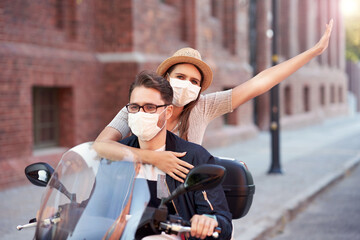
(268,78)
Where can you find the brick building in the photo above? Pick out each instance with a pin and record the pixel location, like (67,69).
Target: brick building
(66,66)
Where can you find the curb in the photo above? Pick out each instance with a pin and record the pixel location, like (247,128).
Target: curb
(277,221)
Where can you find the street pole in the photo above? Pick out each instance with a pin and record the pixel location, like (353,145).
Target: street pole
(274,103)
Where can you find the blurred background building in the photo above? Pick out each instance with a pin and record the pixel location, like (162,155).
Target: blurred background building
(66,66)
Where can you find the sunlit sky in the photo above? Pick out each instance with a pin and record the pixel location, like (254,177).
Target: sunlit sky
(350,7)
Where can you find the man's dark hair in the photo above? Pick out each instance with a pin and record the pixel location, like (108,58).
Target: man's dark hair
(154,81)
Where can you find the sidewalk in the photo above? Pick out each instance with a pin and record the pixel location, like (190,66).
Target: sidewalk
(312,158)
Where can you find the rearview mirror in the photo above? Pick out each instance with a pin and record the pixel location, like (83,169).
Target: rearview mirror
(39,174)
(202,177)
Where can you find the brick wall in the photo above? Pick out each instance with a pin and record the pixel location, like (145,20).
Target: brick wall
(300,30)
(24,67)
(54,23)
(46,44)
(91,51)
(113,25)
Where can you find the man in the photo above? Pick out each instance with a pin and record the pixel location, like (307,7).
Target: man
(149,109)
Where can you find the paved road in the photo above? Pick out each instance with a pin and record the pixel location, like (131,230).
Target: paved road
(18,205)
(312,157)
(334,215)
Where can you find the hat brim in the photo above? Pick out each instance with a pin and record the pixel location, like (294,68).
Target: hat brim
(204,68)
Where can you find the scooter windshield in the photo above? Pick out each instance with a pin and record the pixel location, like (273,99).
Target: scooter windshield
(89,197)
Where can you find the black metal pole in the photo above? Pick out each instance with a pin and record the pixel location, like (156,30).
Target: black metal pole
(274,102)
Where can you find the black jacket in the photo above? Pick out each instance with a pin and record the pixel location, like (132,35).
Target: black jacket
(193,203)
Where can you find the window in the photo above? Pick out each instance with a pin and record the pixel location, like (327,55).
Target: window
(322,96)
(332,94)
(252,35)
(169,2)
(341,97)
(303,15)
(319,26)
(306,99)
(59,14)
(330,52)
(230,118)
(188,19)
(229,26)
(45,117)
(214,8)
(72,19)
(288,102)
(66,17)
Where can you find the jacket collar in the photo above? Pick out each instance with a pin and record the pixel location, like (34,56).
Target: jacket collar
(170,141)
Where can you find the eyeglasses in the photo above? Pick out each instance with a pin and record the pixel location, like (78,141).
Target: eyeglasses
(148,108)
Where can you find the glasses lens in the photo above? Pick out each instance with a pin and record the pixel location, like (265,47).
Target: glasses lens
(150,108)
(133,108)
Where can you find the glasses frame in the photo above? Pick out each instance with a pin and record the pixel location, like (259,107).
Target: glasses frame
(143,107)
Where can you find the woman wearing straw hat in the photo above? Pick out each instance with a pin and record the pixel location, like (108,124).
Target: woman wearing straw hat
(189,76)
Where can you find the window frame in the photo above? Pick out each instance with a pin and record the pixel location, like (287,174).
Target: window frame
(41,107)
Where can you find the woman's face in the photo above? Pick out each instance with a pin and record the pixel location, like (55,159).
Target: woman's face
(186,71)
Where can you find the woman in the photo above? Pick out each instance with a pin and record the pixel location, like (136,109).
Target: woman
(189,76)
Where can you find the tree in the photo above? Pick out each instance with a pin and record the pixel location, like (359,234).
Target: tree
(352,28)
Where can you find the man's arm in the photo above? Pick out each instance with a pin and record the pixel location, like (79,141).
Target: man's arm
(214,204)
(211,202)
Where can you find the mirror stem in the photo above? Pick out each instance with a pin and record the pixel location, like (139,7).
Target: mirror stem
(178,191)
(55,183)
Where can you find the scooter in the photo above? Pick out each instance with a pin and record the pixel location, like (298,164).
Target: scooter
(89,197)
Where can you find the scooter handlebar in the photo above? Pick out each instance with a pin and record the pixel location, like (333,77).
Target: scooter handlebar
(178,228)
(44,222)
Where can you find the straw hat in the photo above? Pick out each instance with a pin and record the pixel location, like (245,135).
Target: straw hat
(192,56)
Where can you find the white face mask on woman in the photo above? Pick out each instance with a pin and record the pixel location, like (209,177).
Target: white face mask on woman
(184,91)
(144,125)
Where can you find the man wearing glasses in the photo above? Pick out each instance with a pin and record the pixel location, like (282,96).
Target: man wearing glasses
(149,109)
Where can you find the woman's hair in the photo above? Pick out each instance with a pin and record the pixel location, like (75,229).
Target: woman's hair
(184,116)
(152,80)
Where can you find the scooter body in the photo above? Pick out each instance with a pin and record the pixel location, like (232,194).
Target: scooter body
(89,197)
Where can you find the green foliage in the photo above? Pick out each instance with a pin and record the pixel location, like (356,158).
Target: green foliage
(352,28)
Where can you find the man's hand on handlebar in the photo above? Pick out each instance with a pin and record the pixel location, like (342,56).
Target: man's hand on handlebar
(202,226)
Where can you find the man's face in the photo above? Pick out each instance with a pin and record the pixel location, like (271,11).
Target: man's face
(142,95)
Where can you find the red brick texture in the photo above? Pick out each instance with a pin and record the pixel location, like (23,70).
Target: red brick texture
(91,51)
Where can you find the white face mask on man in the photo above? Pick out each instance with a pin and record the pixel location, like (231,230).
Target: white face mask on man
(144,125)
(184,91)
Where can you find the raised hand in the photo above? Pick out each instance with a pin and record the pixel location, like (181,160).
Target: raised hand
(324,40)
